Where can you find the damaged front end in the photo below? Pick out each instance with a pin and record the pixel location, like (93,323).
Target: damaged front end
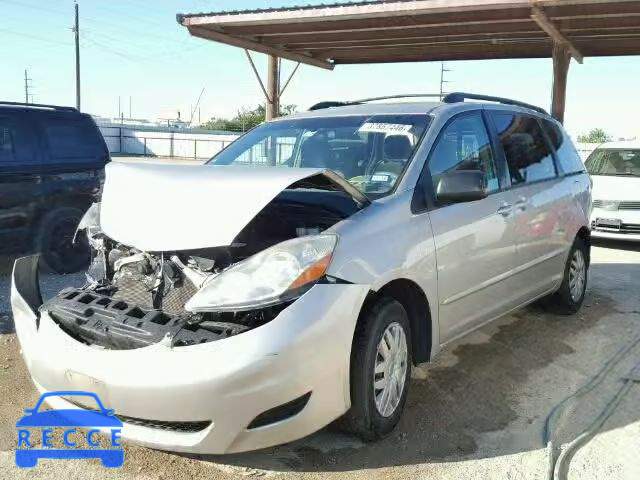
(137,297)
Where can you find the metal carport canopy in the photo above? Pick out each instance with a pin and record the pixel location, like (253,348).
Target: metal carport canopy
(428,30)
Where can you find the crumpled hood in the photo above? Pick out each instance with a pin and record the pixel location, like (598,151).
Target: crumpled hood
(156,207)
(622,188)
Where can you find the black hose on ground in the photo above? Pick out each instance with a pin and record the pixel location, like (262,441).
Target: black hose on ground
(558,466)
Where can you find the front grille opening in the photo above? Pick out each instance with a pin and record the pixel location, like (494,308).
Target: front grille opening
(186,427)
(120,306)
(135,312)
(160,318)
(72,295)
(281,412)
(86,298)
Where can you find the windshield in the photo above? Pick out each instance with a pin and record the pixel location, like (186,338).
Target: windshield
(370,151)
(614,162)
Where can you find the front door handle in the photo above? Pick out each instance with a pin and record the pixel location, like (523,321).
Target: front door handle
(505,209)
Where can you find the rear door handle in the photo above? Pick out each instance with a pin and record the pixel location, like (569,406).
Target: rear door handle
(521,203)
(505,209)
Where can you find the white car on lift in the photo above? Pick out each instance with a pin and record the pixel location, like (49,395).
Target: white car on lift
(615,171)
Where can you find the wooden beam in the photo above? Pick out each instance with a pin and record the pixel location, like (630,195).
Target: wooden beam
(286,84)
(445,42)
(255,71)
(547,25)
(561,58)
(217,36)
(438,53)
(569,26)
(273,90)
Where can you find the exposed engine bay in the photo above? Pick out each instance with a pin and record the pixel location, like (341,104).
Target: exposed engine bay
(135,298)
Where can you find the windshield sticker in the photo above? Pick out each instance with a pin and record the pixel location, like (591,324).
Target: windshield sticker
(389,128)
(379,178)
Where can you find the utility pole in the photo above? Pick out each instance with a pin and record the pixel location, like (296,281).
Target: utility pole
(130,107)
(442,80)
(26,87)
(76,31)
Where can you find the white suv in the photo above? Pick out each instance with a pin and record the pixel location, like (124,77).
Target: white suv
(295,278)
(615,171)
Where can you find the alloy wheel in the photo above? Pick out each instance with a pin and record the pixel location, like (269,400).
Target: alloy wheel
(577,275)
(390,370)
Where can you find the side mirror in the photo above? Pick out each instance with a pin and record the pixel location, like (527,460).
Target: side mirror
(462,186)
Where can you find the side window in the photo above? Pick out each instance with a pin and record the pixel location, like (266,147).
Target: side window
(568,157)
(7,146)
(464,145)
(528,154)
(71,139)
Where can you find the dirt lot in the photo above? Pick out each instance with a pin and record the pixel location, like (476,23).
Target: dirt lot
(477,412)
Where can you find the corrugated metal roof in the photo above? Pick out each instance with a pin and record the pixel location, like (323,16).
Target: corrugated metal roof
(293,8)
(330,34)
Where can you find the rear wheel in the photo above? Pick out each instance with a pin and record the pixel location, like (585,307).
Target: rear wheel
(380,370)
(54,241)
(569,297)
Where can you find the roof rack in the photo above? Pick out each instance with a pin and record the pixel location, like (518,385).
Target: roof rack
(329,104)
(456,97)
(38,105)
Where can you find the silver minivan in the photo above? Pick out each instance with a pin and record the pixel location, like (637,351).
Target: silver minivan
(295,278)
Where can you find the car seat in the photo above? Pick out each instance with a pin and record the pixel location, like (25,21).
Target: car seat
(315,153)
(397,150)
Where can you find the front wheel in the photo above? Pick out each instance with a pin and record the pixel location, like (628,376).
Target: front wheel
(569,297)
(380,370)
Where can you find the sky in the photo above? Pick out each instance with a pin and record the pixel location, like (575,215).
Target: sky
(136,49)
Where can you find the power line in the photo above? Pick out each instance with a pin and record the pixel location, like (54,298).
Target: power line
(33,37)
(111,50)
(35,7)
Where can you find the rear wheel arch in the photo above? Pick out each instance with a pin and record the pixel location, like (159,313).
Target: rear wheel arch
(415,302)
(585,235)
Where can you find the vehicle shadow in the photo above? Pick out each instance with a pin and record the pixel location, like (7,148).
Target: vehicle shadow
(476,391)
(616,244)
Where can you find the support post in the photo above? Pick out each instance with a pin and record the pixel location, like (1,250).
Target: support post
(273,89)
(76,30)
(561,59)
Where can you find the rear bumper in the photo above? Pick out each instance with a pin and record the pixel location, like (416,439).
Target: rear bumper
(229,382)
(615,236)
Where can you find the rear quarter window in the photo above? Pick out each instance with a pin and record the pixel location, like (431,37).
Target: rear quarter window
(74,139)
(526,150)
(569,160)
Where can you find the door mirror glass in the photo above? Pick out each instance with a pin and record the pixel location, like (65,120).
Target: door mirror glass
(462,186)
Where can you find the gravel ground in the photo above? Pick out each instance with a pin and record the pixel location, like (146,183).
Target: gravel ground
(477,412)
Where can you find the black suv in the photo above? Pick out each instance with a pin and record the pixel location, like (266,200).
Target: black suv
(51,167)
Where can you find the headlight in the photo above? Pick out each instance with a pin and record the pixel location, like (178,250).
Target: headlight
(272,276)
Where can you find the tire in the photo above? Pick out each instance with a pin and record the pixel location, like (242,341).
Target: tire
(364,419)
(568,299)
(54,241)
